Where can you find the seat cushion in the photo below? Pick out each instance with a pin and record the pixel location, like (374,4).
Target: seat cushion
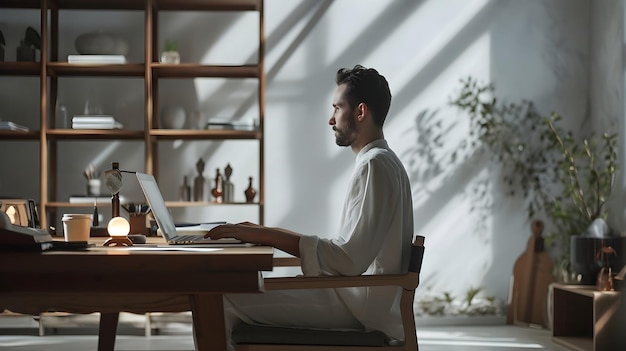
(255,334)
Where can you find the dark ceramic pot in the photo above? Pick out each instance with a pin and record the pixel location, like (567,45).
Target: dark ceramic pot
(585,256)
(25,54)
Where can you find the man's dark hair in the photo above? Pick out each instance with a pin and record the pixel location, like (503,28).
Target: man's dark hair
(368,86)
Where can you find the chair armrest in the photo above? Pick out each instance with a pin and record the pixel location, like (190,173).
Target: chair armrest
(407,281)
(287,262)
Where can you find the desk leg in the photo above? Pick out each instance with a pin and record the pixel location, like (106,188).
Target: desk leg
(107,331)
(209,331)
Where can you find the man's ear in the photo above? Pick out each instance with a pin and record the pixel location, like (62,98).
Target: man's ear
(360,111)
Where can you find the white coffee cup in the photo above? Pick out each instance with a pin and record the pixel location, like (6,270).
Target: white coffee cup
(76,226)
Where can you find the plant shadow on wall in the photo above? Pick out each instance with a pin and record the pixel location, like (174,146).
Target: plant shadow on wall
(429,165)
(561,178)
(430,162)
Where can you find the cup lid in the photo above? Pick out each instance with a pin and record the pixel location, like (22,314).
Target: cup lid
(76,215)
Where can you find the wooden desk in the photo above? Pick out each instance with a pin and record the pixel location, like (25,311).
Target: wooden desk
(113,280)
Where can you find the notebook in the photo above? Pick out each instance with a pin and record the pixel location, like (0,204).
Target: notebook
(185,235)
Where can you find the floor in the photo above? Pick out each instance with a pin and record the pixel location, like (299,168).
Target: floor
(16,337)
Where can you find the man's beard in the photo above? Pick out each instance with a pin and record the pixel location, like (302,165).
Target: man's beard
(346,136)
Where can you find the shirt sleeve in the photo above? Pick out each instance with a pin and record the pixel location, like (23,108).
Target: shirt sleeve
(366,218)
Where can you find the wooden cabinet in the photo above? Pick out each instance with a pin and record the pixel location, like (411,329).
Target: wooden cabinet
(585,319)
(51,68)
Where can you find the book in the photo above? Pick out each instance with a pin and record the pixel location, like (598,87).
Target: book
(8,125)
(238,125)
(93,118)
(96,59)
(115,125)
(95,122)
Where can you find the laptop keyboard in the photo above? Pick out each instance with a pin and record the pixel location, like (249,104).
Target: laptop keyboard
(189,238)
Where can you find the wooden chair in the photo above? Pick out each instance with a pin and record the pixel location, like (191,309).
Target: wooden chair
(271,338)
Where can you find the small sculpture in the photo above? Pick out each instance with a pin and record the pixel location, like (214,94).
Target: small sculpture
(228,188)
(250,192)
(184,194)
(604,281)
(198,183)
(217,190)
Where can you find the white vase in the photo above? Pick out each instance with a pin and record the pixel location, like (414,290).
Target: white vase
(100,43)
(170,57)
(173,117)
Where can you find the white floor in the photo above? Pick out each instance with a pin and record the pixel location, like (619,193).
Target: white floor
(178,337)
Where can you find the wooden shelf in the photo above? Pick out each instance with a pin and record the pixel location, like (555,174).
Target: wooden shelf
(179,204)
(11,68)
(172,204)
(20,4)
(223,134)
(100,4)
(100,134)
(208,5)
(190,70)
(59,204)
(17,135)
(180,5)
(56,69)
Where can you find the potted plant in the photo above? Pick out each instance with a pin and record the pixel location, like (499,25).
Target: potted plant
(170,53)
(28,45)
(2,43)
(566,180)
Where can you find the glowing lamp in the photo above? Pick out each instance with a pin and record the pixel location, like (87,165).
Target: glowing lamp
(118,229)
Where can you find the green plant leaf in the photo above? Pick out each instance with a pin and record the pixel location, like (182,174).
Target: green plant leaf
(32,38)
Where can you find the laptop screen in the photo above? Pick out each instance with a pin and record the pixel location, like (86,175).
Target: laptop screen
(160,212)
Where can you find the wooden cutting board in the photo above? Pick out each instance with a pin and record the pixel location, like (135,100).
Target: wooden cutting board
(532,276)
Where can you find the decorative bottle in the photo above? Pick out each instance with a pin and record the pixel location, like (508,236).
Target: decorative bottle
(184,193)
(217,190)
(228,188)
(198,183)
(250,192)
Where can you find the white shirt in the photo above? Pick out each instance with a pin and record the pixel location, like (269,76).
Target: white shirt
(375,237)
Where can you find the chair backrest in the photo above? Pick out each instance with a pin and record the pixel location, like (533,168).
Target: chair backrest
(408,294)
(417,254)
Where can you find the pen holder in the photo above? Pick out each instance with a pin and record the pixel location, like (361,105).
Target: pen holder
(138,224)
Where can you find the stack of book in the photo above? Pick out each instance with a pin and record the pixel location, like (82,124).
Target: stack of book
(81,199)
(8,125)
(96,59)
(242,124)
(95,122)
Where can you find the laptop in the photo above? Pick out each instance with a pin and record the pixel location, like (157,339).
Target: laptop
(185,235)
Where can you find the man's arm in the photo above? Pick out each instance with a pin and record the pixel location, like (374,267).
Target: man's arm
(279,238)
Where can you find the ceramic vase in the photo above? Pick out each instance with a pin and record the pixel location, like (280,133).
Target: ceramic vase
(173,117)
(25,54)
(100,43)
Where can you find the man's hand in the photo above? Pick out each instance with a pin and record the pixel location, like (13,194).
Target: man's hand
(248,232)
(244,231)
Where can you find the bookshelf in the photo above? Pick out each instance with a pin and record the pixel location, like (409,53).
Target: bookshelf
(51,68)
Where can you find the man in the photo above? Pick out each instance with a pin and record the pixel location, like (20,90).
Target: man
(374,237)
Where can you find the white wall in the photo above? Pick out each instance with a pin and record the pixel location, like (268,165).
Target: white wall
(607,90)
(536,50)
